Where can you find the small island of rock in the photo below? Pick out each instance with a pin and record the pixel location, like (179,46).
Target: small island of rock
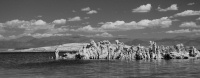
(118,50)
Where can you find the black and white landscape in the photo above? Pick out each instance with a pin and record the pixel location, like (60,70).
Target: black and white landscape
(97,38)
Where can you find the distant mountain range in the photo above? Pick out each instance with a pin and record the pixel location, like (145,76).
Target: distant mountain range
(187,41)
(31,42)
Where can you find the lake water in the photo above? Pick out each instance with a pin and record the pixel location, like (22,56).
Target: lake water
(41,65)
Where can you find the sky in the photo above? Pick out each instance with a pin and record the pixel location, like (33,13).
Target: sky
(99,18)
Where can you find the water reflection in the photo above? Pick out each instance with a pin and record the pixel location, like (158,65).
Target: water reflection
(35,66)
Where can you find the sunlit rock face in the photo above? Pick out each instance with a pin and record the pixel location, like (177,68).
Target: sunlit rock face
(118,50)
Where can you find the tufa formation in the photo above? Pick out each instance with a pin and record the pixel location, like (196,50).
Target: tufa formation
(118,50)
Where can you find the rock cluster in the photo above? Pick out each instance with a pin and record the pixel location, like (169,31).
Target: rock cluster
(118,50)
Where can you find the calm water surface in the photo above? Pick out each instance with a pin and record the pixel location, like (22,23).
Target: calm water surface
(41,65)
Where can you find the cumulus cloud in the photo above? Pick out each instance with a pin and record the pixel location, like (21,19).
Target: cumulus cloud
(15,23)
(85,9)
(184,31)
(17,27)
(142,8)
(92,12)
(59,21)
(1,28)
(88,10)
(163,22)
(39,22)
(112,25)
(188,13)
(179,31)
(39,35)
(104,34)
(198,18)
(12,37)
(189,24)
(87,28)
(120,26)
(196,30)
(76,18)
(1,36)
(191,3)
(73,11)
(37,28)
(172,7)
(28,25)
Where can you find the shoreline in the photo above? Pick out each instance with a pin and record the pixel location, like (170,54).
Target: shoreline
(68,47)
(35,51)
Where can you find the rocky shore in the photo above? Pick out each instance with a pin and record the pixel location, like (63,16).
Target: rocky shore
(118,50)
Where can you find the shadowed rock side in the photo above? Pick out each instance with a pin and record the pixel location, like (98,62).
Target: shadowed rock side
(118,50)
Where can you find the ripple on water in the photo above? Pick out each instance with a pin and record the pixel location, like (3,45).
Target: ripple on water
(40,65)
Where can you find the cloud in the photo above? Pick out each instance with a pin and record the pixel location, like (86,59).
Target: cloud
(189,24)
(87,28)
(39,35)
(21,27)
(85,9)
(179,31)
(92,12)
(88,10)
(39,22)
(172,7)
(1,28)
(112,25)
(184,31)
(73,11)
(191,3)
(104,34)
(2,37)
(76,18)
(17,27)
(37,28)
(120,26)
(198,18)
(142,8)
(196,30)
(15,23)
(59,21)
(163,22)
(13,37)
(188,13)
(28,25)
